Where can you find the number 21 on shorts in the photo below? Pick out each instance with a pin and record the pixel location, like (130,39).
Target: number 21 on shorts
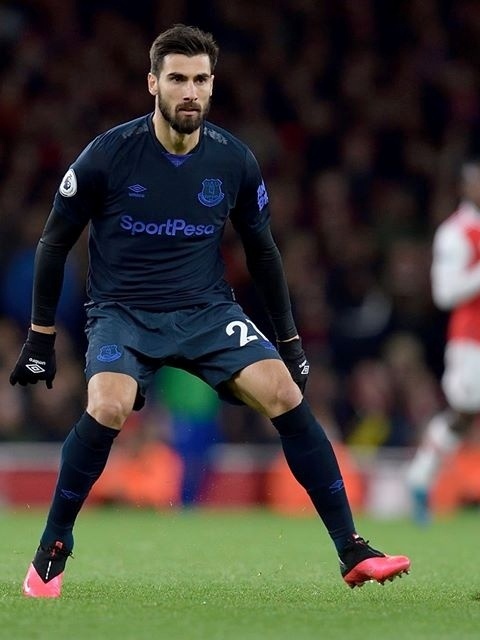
(244,331)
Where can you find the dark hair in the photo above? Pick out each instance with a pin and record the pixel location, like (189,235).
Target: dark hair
(189,41)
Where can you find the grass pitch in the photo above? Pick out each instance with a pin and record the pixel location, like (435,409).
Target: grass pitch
(239,576)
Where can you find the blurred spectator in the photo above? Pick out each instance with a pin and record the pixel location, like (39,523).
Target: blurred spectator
(415,386)
(193,409)
(12,411)
(17,281)
(376,417)
(143,470)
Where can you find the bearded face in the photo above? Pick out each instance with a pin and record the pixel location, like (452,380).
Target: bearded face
(182,88)
(185,117)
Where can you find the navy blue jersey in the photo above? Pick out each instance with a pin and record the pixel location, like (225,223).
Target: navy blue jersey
(157,219)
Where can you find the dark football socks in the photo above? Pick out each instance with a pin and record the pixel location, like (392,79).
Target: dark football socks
(84,456)
(312,461)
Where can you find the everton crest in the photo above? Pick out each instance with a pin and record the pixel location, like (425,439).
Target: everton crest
(109,353)
(211,193)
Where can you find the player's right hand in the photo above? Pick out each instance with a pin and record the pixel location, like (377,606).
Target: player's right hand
(36,361)
(294,357)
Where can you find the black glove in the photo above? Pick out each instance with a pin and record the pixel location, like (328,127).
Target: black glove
(36,361)
(295,360)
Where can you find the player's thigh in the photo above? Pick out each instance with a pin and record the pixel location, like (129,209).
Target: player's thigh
(219,340)
(266,386)
(110,351)
(461,378)
(112,393)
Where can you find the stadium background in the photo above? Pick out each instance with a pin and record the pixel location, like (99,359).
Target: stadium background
(359,112)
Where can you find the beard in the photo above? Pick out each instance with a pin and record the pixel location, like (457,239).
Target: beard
(178,120)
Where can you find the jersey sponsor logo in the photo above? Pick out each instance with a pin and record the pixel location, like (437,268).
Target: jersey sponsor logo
(211,193)
(109,353)
(136,191)
(262,196)
(171,227)
(68,186)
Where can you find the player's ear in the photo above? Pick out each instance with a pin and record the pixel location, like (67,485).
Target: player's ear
(152,81)
(212,78)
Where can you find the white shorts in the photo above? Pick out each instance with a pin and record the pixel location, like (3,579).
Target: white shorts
(461,378)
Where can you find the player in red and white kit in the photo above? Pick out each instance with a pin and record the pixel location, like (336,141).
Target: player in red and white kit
(455,277)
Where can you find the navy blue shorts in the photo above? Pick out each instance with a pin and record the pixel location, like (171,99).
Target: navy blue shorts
(212,341)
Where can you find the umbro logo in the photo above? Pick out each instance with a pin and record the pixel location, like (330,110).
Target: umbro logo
(336,486)
(136,191)
(35,368)
(70,495)
(305,368)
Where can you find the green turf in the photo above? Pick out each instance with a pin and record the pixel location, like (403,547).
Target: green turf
(239,576)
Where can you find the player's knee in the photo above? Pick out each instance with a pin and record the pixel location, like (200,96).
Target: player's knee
(285,396)
(111,412)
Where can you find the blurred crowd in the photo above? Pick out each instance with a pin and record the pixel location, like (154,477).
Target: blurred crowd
(359,112)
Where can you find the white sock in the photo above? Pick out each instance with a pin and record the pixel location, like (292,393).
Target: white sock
(438,441)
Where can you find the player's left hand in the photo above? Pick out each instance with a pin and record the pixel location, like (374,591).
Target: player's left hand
(295,360)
